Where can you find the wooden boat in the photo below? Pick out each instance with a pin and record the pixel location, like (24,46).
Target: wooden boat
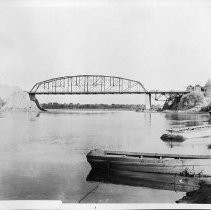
(185,165)
(181,134)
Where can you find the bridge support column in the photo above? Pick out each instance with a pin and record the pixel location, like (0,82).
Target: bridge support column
(33,98)
(148,101)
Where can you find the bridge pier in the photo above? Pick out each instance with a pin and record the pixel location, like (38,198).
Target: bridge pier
(33,98)
(148,101)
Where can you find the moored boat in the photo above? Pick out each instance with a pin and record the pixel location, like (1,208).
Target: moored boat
(185,165)
(181,134)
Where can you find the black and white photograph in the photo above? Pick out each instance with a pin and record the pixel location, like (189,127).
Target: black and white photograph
(105,104)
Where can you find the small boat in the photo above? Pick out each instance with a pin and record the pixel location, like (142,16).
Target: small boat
(181,134)
(184,165)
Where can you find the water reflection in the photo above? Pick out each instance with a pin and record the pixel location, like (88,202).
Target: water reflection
(141,179)
(79,112)
(196,190)
(193,142)
(186,120)
(172,144)
(148,118)
(33,115)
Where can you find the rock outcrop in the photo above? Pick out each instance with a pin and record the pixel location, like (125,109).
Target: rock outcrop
(15,99)
(172,105)
(19,101)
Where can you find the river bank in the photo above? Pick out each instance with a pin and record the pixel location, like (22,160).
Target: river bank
(202,196)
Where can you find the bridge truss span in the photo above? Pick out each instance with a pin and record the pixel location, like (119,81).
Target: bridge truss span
(88,84)
(98,84)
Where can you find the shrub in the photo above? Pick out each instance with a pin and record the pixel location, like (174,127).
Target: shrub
(191,100)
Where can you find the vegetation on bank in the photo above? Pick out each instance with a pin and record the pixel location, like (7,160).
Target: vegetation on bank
(193,101)
(136,107)
(190,100)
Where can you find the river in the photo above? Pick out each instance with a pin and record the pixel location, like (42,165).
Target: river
(43,156)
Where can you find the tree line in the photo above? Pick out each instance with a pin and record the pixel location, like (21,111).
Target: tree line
(56,105)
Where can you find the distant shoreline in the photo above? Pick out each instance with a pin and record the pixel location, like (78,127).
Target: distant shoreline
(125,109)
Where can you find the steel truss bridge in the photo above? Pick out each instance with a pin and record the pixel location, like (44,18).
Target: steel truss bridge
(97,84)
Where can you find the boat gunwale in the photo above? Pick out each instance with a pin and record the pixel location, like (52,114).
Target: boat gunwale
(155,155)
(135,163)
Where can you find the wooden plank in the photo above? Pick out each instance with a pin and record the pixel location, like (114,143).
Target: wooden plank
(177,169)
(189,129)
(157,155)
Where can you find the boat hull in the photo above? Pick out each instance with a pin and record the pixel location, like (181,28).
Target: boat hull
(173,137)
(180,165)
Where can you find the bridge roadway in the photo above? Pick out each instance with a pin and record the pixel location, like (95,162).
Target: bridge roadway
(102,92)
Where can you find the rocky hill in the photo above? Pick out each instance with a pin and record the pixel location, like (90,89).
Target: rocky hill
(15,99)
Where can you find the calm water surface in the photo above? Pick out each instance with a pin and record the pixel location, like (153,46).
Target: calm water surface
(43,156)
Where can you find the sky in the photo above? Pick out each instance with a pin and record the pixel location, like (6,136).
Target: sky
(164,44)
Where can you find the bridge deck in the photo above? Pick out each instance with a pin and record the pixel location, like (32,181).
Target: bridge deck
(102,93)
